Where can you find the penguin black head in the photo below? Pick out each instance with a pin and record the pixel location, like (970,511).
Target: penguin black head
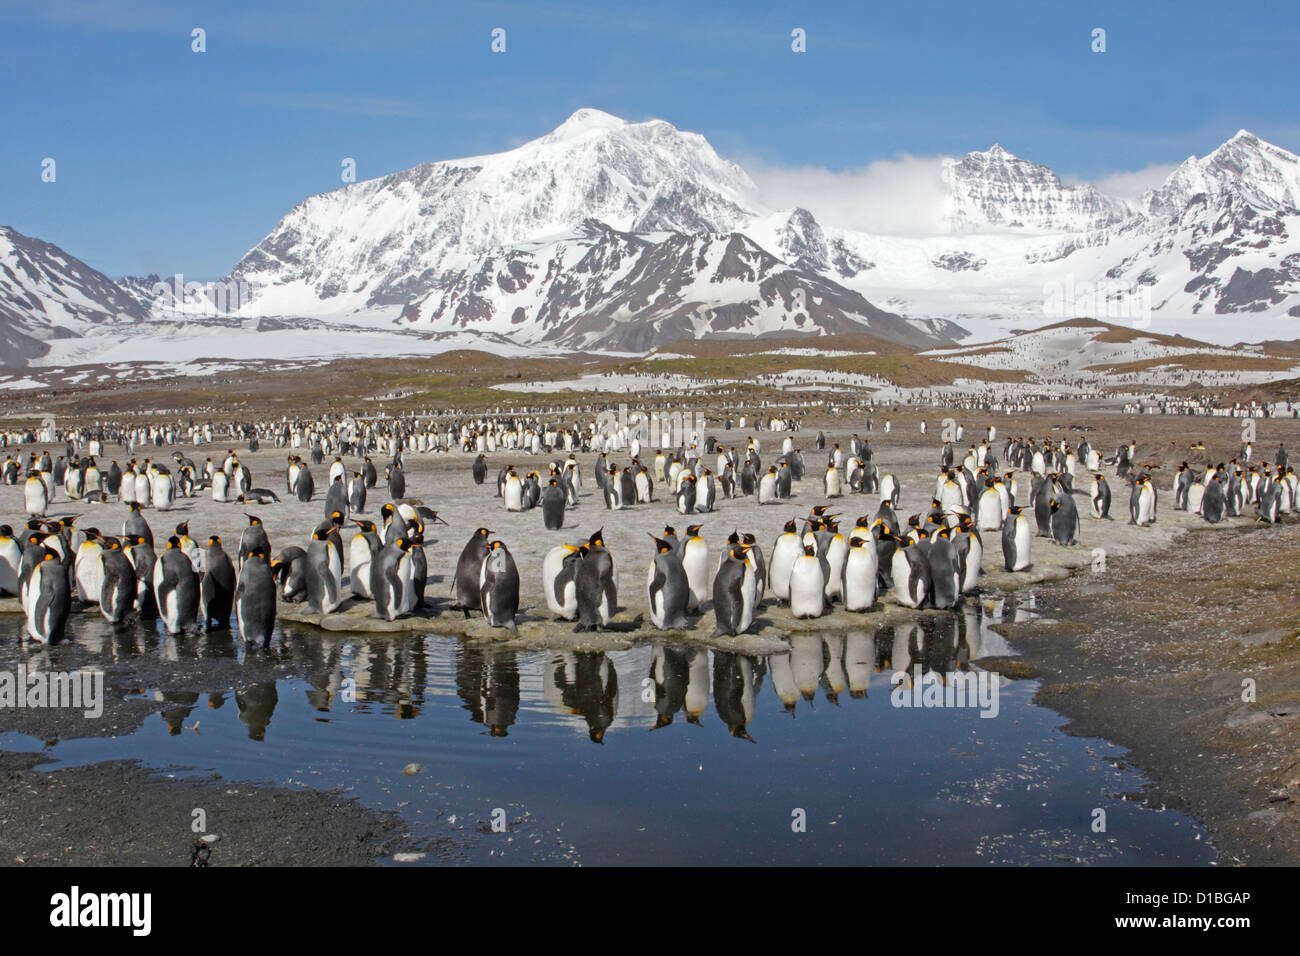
(183,528)
(792,526)
(809,550)
(336,517)
(173,542)
(482,532)
(597,540)
(214,541)
(253,520)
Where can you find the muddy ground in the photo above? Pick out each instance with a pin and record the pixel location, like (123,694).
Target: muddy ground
(1138,654)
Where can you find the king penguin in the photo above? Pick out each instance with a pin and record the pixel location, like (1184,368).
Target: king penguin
(667,589)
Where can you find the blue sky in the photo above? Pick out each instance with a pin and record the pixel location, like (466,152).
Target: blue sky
(170,160)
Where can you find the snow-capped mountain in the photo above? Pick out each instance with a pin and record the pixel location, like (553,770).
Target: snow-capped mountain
(601,234)
(609,234)
(393,240)
(47,294)
(995,190)
(602,288)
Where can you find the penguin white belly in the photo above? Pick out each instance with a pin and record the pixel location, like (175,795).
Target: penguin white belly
(784,554)
(990,512)
(1146,506)
(974,560)
(836,552)
(748,598)
(859,585)
(767,489)
(695,561)
(513,494)
(359,564)
(901,570)
(656,599)
(143,491)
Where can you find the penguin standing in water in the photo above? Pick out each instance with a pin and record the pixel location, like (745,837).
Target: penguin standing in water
(117,594)
(142,557)
(807,585)
(175,588)
(499,587)
(733,593)
(553,501)
(596,588)
(216,586)
(666,587)
(479,469)
(324,569)
(1099,496)
(1015,540)
(47,599)
(255,598)
(1064,520)
(559,580)
(465,594)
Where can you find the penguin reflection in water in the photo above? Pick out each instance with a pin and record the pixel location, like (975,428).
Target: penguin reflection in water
(584,684)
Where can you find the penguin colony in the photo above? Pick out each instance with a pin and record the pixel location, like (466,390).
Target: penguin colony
(931,559)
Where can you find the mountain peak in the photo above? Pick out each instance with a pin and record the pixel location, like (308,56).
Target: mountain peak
(582,122)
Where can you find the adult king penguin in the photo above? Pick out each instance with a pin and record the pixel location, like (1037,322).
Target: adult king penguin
(667,589)
(597,591)
(499,587)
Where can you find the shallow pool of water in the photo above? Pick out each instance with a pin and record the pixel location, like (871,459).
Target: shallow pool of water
(658,754)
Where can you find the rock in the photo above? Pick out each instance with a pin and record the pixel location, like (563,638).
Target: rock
(411,769)
(408,857)
(210,838)
(1265,637)
(1244,717)
(1269,816)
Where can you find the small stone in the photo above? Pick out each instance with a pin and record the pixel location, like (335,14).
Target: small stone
(210,838)
(1269,816)
(408,857)
(411,769)
(1264,637)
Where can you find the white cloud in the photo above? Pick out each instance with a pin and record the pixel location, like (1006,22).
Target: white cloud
(1129,185)
(901,196)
